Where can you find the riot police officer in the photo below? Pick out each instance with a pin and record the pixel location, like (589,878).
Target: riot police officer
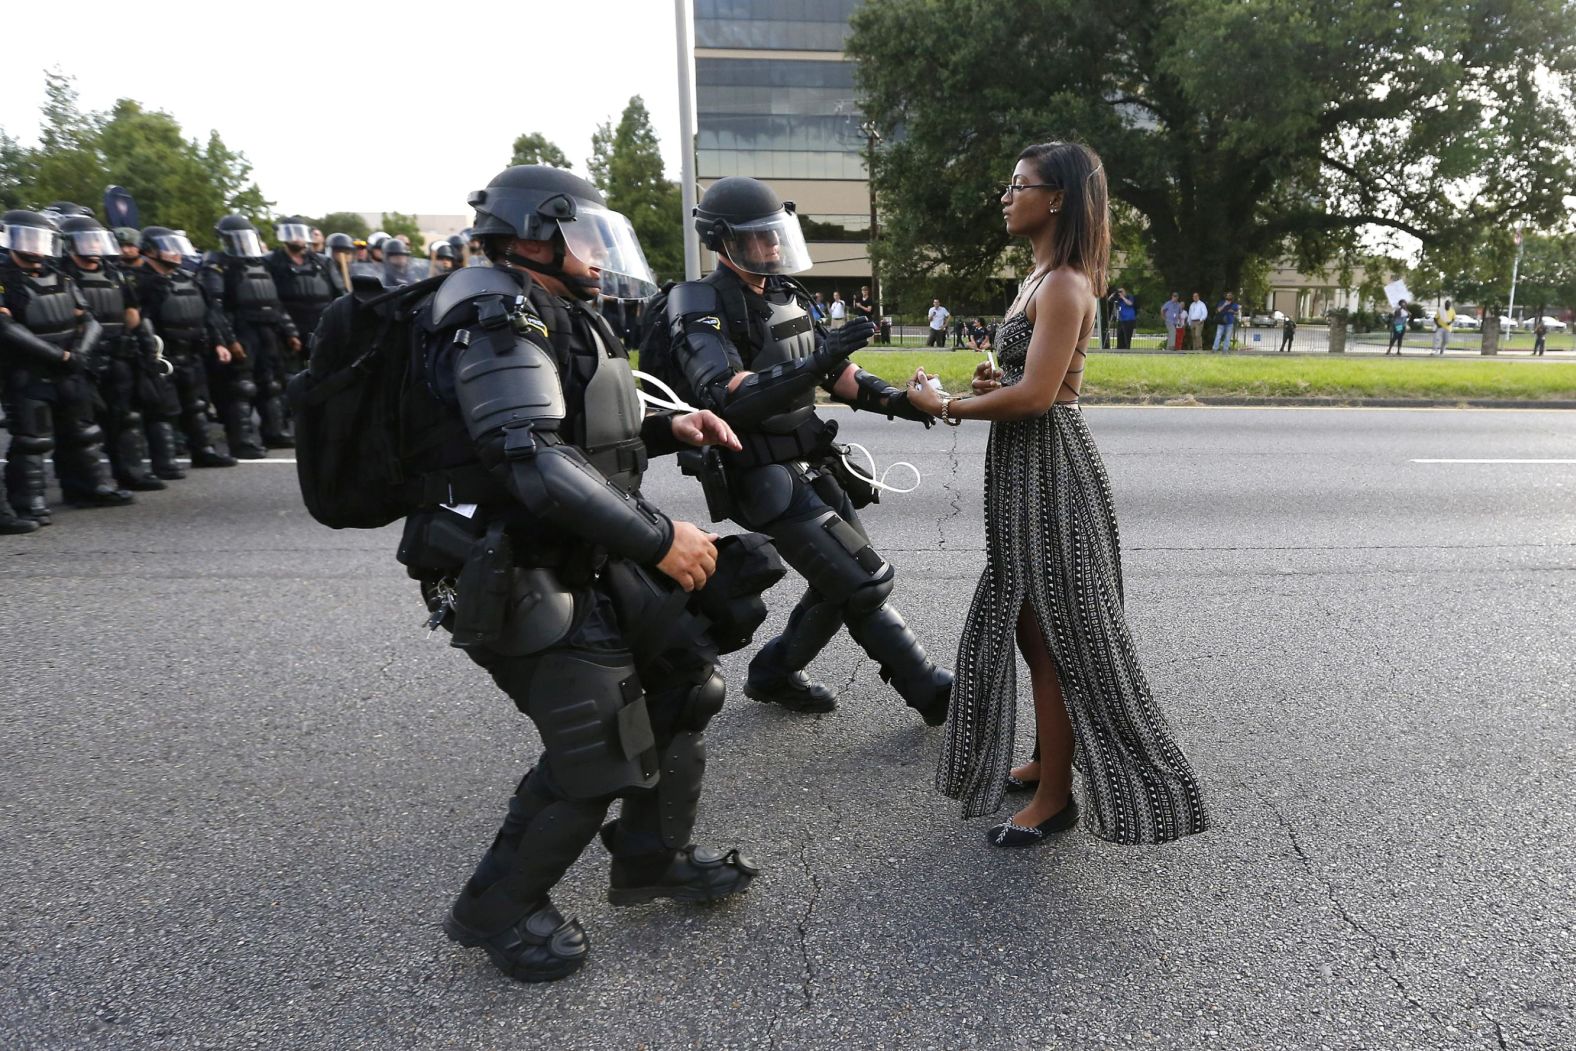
(48,341)
(261,334)
(442,257)
(193,330)
(746,346)
(127,352)
(341,256)
(569,587)
(397,269)
(303,278)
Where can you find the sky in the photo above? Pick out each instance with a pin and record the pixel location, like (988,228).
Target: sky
(338,105)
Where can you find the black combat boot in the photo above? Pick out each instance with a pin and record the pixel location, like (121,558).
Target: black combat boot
(161,451)
(541,946)
(694,874)
(771,683)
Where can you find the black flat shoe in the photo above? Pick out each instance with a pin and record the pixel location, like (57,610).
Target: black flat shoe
(1009,834)
(1018,784)
(794,691)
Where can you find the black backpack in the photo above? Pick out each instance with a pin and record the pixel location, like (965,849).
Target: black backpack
(347,408)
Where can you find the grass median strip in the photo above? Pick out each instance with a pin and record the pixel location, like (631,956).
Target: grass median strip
(1160,377)
(1163,376)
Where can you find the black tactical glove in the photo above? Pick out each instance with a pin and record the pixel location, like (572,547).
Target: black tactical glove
(898,405)
(843,342)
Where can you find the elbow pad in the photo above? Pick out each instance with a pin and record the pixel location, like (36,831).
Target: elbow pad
(557,483)
(763,394)
(17,336)
(703,354)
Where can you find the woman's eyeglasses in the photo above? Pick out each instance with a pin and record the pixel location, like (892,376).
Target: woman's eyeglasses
(1009,189)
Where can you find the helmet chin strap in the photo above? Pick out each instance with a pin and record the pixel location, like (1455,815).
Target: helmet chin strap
(582,286)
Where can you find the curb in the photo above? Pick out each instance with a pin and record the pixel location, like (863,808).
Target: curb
(1331,402)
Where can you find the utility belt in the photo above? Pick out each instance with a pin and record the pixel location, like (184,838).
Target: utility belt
(810,440)
(465,484)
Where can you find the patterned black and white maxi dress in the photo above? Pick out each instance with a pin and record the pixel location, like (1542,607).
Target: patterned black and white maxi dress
(1052,542)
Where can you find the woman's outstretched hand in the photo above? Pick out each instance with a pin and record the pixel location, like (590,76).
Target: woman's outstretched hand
(922,395)
(986,378)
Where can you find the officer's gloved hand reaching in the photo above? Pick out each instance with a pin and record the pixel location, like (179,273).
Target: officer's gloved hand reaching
(842,342)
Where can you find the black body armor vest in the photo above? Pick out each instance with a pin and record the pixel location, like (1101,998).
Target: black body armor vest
(249,291)
(49,310)
(106,296)
(302,286)
(182,316)
(605,411)
(784,331)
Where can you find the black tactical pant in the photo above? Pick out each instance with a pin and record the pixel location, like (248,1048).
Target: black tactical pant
(268,355)
(52,412)
(233,389)
(815,529)
(610,709)
(123,417)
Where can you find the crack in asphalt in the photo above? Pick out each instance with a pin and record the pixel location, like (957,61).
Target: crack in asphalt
(947,486)
(1357,925)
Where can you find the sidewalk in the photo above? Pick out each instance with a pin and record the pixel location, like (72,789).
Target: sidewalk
(1266,341)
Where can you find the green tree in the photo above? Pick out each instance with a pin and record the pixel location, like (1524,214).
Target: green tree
(399,223)
(534,148)
(146,153)
(1237,132)
(67,165)
(343,223)
(17,176)
(231,174)
(626,165)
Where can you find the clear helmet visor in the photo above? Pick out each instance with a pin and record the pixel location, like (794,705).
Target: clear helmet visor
(243,243)
(293,233)
(94,242)
(33,240)
(772,244)
(606,240)
(173,245)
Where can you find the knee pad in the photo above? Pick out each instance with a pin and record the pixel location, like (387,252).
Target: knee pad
(245,389)
(89,433)
(32,444)
(872,595)
(703,703)
(132,418)
(591,713)
(273,388)
(832,555)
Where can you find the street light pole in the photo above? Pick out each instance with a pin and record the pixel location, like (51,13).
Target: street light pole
(871,138)
(686,63)
(1515,273)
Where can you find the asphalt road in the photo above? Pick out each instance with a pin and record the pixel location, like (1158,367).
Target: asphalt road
(241,784)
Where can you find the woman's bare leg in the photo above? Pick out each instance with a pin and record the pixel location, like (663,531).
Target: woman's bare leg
(1055,730)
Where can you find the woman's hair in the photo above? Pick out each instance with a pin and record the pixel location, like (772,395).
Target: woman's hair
(1083,234)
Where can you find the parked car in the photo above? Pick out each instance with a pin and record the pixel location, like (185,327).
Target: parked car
(1554,324)
(1274,319)
(1467,323)
(1507,323)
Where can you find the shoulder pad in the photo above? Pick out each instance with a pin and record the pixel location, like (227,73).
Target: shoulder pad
(694,297)
(473,282)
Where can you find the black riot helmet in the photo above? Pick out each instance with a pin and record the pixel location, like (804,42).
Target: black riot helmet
(744,220)
(340,243)
(238,237)
(537,202)
(86,237)
(443,250)
(166,246)
(394,246)
(58,210)
(294,230)
(31,235)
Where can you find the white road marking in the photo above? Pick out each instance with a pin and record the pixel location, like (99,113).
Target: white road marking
(1493,461)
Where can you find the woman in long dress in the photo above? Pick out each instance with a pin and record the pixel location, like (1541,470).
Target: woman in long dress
(1053,577)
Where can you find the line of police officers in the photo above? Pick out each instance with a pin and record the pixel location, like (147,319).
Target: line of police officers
(129,343)
(599,615)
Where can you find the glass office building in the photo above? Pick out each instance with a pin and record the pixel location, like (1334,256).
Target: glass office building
(775,100)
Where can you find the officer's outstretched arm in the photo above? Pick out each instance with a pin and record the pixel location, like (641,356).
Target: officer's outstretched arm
(710,362)
(508,389)
(15,336)
(874,394)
